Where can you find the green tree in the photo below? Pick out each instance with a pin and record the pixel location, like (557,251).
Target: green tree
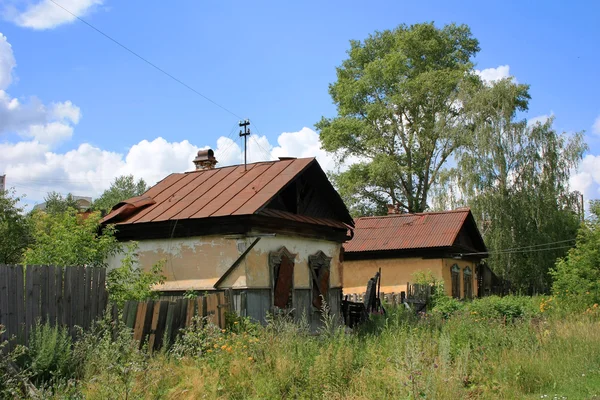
(578,273)
(57,203)
(14,228)
(123,188)
(130,282)
(514,176)
(399,99)
(69,239)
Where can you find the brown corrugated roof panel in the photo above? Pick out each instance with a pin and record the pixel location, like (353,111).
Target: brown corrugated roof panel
(407,231)
(226,191)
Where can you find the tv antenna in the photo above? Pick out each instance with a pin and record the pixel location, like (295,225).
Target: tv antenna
(245,134)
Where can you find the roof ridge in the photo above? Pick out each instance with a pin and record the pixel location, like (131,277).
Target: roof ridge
(415,214)
(240,165)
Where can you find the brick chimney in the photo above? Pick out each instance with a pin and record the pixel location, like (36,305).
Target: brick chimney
(392,209)
(205,159)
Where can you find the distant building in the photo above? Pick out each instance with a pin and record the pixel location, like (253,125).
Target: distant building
(83,203)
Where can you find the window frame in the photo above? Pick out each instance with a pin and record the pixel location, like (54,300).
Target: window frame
(318,264)
(275,258)
(467,282)
(455,281)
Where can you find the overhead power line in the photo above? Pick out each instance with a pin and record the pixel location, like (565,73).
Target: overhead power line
(147,61)
(525,249)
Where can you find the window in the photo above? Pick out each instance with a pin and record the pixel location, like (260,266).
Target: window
(319,265)
(455,276)
(281,263)
(468,283)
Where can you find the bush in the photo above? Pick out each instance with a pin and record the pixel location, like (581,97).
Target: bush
(49,355)
(509,307)
(446,305)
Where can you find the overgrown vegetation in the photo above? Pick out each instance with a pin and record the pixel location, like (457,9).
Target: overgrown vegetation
(511,347)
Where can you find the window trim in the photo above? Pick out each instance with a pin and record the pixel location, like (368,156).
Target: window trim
(322,262)
(455,288)
(275,258)
(467,277)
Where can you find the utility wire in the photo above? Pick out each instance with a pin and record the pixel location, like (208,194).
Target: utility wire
(147,61)
(525,249)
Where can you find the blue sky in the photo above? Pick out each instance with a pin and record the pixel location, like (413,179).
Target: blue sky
(89,111)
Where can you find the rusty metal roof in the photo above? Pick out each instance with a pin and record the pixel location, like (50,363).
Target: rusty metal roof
(407,231)
(226,191)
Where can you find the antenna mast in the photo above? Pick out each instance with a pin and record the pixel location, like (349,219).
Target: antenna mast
(245,134)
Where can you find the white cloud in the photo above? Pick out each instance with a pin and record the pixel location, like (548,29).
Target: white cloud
(542,119)
(32,119)
(587,178)
(491,75)
(47,15)
(596,126)
(7,62)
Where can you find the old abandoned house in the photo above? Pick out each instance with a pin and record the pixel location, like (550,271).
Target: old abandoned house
(272,232)
(402,244)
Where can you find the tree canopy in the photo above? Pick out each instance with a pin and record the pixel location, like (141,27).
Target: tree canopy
(399,97)
(514,176)
(122,188)
(14,228)
(69,238)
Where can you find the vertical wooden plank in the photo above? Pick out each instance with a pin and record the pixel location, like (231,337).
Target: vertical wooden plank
(161,325)
(147,321)
(87,317)
(212,304)
(168,328)
(94,292)
(36,298)
(190,312)
(222,308)
(154,326)
(28,301)
(80,303)
(102,294)
(67,297)
(13,324)
(20,294)
(139,321)
(59,297)
(182,314)
(43,276)
(74,289)
(174,328)
(4,313)
(51,296)
(132,307)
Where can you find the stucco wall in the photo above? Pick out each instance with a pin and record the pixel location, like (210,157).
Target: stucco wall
(196,263)
(396,272)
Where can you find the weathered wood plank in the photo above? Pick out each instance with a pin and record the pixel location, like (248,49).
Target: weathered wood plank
(36,294)
(161,325)
(212,309)
(51,298)
(59,298)
(80,302)
(12,302)
(139,321)
(131,314)
(67,297)
(87,314)
(147,321)
(168,334)
(43,277)
(20,294)
(4,318)
(190,312)
(102,289)
(222,308)
(94,293)
(154,325)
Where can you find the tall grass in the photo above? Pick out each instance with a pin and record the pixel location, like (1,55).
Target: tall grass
(491,349)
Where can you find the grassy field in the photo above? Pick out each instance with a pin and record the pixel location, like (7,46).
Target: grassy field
(508,348)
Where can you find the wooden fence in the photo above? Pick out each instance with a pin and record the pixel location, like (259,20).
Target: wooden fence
(67,296)
(416,293)
(159,322)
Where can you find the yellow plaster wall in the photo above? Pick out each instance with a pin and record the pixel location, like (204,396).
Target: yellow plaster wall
(396,272)
(196,263)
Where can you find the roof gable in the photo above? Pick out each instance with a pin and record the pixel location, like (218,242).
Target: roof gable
(401,232)
(227,191)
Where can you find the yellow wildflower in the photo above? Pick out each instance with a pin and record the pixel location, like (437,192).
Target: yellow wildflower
(223,347)
(250,358)
(235,323)
(216,346)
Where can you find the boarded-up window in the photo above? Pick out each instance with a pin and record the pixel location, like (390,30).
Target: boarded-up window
(281,263)
(320,266)
(468,283)
(455,276)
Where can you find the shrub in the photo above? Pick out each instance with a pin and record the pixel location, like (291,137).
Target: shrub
(509,307)
(130,282)
(446,305)
(49,355)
